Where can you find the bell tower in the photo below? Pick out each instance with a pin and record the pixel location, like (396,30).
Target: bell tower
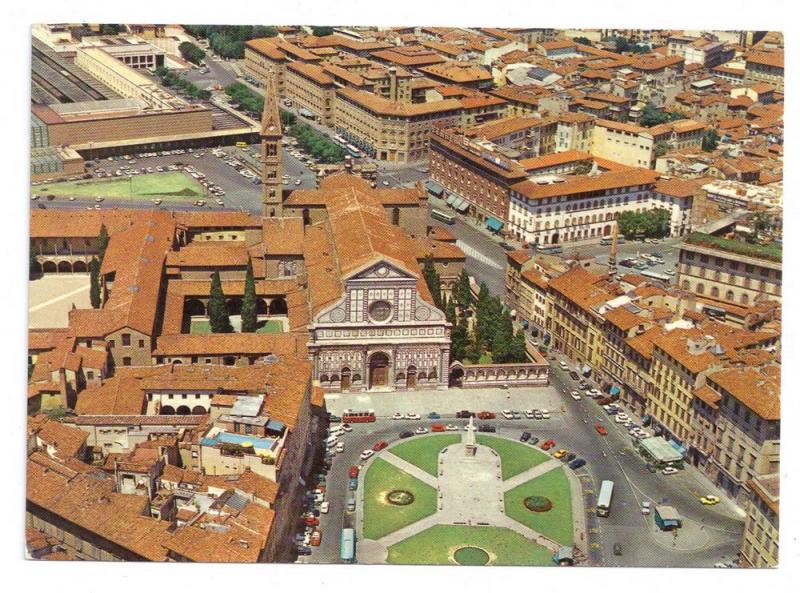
(271,135)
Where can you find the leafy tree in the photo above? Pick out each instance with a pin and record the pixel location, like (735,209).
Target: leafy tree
(217,311)
(322,31)
(249,314)
(191,52)
(108,29)
(462,291)
(459,340)
(710,141)
(653,116)
(472,350)
(33,262)
(651,223)
(102,243)
(433,281)
(582,40)
(94,283)
(661,148)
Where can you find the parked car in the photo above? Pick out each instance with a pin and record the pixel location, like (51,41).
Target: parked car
(354,471)
(563,365)
(574,376)
(347,428)
(570,457)
(405,434)
(669,471)
(560,453)
(437,428)
(548,444)
(433,416)
(529,414)
(575,395)
(451,427)
(351,503)
(507,414)
(486,428)
(303,550)
(486,415)
(545,415)
(340,447)
(651,468)
(577,463)
(517,415)
(421,430)
(646,507)
(525,437)
(465,414)
(537,414)
(601,430)
(617,549)
(709,499)
(533,440)
(367,454)
(412,416)
(397,416)
(352,484)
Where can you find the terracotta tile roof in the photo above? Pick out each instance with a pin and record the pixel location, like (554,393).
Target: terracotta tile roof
(535,278)
(439,233)
(518,256)
(382,106)
(708,396)
(214,220)
(772,58)
(222,344)
(249,482)
(623,319)
(283,236)
(679,188)
(66,440)
(759,392)
(767,488)
(643,343)
(458,72)
(438,250)
(559,44)
(579,286)
(583,183)
(72,223)
(204,545)
(139,420)
(312,72)
(46,339)
(621,127)
(409,60)
(209,254)
(653,63)
(554,159)
(674,343)
(121,394)
(502,127)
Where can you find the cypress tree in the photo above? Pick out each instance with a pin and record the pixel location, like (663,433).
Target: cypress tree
(518,351)
(249,318)
(94,283)
(459,340)
(502,337)
(450,310)
(433,281)
(217,312)
(102,242)
(462,291)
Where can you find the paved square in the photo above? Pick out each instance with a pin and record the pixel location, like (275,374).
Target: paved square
(51,297)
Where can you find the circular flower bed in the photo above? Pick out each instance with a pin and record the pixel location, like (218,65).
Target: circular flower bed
(471,556)
(538,504)
(400,497)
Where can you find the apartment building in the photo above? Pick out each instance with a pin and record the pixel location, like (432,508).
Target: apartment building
(312,89)
(759,547)
(763,66)
(388,130)
(729,271)
(269,56)
(554,209)
(628,144)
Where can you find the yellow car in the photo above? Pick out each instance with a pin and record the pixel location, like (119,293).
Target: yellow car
(709,499)
(560,453)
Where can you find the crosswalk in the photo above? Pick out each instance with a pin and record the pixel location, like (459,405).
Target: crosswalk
(477,255)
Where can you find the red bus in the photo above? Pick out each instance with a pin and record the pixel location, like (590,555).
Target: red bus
(358,416)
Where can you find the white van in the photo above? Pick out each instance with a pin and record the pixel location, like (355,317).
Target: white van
(332,440)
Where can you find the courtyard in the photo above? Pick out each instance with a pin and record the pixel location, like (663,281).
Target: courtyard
(169,186)
(268,326)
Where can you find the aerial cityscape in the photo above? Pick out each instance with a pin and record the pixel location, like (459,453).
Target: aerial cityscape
(411,295)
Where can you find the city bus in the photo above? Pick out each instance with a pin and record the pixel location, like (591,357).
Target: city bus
(350,416)
(347,546)
(604,498)
(550,249)
(241,145)
(443,216)
(354,152)
(655,275)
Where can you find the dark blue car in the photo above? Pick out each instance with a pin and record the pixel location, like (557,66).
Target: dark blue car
(577,463)
(434,416)
(353,485)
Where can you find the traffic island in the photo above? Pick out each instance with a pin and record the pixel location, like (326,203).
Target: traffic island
(471,556)
(400,497)
(538,504)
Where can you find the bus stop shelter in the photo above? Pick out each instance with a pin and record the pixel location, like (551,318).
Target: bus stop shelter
(659,451)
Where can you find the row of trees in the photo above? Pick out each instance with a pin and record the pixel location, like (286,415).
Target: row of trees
(491,335)
(623,45)
(653,116)
(218,311)
(191,52)
(245,98)
(173,81)
(316,144)
(650,223)
(228,40)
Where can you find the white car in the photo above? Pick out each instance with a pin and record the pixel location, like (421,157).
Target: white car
(529,414)
(668,471)
(451,427)
(507,414)
(594,392)
(397,416)
(347,428)
(646,507)
(323,508)
(563,365)
(620,419)
(367,453)
(340,447)
(421,430)
(576,396)
(412,416)
(545,415)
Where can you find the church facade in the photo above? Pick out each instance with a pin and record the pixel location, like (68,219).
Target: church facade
(380,335)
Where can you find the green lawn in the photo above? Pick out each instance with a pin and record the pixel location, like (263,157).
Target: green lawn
(200,326)
(436,545)
(172,185)
(270,326)
(555,523)
(515,457)
(424,452)
(382,518)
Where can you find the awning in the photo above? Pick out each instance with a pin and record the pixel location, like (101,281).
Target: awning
(451,198)
(677,446)
(586,370)
(461,205)
(493,224)
(614,390)
(434,188)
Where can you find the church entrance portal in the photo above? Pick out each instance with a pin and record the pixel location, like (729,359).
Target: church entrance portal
(378,370)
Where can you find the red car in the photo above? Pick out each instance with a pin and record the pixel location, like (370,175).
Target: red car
(311,521)
(600,429)
(486,415)
(548,444)
(379,445)
(353,471)
(437,428)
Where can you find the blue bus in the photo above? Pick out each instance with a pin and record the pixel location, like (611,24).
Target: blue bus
(347,546)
